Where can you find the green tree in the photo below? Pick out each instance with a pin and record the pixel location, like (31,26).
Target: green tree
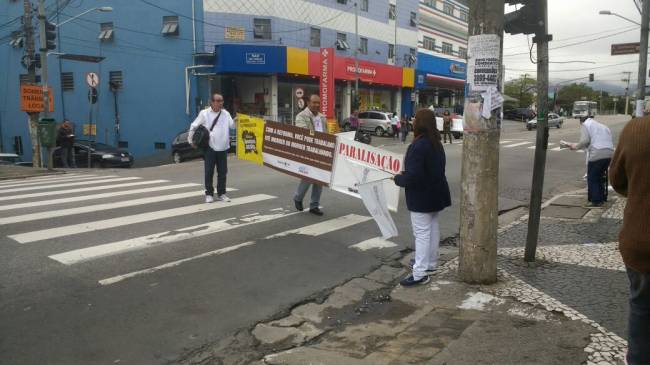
(522,89)
(575,92)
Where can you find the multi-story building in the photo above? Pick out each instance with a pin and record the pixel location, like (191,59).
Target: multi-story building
(160,61)
(442,52)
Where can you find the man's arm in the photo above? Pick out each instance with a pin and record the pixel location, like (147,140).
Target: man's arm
(195,124)
(585,139)
(301,121)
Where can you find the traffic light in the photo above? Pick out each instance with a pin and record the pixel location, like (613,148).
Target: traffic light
(591,77)
(526,20)
(50,36)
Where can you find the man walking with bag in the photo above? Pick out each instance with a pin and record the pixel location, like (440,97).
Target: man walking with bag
(217,121)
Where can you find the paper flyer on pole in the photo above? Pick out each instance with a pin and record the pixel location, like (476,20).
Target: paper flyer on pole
(250,135)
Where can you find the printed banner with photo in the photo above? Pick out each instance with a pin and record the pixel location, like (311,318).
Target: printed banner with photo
(250,135)
(357,163)
(299,152)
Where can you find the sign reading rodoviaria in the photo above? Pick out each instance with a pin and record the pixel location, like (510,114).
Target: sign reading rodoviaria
(299,152)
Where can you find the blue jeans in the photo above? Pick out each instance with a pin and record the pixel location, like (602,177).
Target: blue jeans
(597,180)
(67,157)
(220,159)
(316,190)
(638,342)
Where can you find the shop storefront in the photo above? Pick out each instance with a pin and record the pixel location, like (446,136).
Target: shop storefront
(440,82)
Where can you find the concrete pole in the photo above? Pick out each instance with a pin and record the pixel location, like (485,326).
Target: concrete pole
(274,97)
(31,78)
(542,135)
(480,169)
(46,94)
(627,91)
(643,59)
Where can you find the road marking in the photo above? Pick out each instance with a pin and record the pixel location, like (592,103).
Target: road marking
(39,178)
(313,230)
(556,149)
(373,243)
(96,196)
(46,234)
(516,144)
(157,239)
(23,182)
(533,147)
(70,191)
(504,142)
(66,185)
(95,208)
(580,151)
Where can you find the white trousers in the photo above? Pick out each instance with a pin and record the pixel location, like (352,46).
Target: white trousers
(427,239)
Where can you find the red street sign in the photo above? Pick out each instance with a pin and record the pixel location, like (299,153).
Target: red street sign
(327,82)
(625,48)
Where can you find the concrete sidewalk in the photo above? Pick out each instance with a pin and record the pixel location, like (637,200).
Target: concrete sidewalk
(569,307)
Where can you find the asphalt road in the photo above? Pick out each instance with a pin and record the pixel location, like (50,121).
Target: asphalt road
(129,265)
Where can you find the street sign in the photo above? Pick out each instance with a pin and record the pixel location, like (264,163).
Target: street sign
(31,98)
(625,48)
(92,79)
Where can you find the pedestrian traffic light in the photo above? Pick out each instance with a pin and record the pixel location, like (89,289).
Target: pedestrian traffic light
(50,36)
(526,20)
(591,77)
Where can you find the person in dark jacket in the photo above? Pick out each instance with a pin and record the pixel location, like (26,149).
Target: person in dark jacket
(427,193)
(65,139)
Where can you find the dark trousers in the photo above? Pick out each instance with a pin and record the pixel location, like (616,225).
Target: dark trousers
(67,157)
(638,342)
(212,158)
(597,180)
(446,134)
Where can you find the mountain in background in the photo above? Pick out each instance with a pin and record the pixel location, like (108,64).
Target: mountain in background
(613,88)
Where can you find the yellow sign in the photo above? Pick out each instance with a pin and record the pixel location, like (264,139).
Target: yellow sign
(333,126)
(235,33)
(86,128)
(250,134)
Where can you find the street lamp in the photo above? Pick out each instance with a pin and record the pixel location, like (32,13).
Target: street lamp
(103,9)
(643,53)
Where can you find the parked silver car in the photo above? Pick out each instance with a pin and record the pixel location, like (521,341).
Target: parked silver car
(554,120)
(375,121)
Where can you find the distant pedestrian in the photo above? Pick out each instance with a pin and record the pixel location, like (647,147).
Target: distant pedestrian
(446,126)
(394,121)
(404,128)
(597,139)
(65,140)
(218,122)
(354,121)
(630,176)
(311,119)
(427,193)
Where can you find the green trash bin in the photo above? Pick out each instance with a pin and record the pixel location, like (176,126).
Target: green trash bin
(47,132)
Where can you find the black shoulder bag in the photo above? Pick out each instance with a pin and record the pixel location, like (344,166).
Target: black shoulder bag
(201,137)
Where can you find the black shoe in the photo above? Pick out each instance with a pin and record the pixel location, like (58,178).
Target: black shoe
(316,211)
(410,281)
(298,205)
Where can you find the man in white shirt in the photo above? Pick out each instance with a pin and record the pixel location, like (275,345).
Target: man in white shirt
(394,123)
(597,139)
(312,119)
(218,122)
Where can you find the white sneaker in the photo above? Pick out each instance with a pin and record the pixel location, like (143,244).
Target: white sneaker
(223,198)
(209,199)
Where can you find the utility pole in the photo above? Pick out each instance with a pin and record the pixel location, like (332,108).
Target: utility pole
(643,59)
(31,78)
(42,22)
(480,166)
(541,38)
(627,88)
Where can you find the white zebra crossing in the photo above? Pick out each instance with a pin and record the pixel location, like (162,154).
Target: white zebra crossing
(41,178)
(533,147)
(54,181)
(517,144)
(67,185)
(46,234)
(313,230)
(81,190)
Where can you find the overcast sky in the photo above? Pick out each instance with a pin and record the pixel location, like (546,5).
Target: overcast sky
(578,21)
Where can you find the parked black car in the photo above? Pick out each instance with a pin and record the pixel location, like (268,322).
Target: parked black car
(101,155)
(183,151)
(520,114)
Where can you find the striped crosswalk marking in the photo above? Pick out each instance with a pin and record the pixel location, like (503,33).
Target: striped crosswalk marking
(53,181)
(312,230)
(504,142)
(69,184)
(556,149)
(533,147)
(70,230)
(97,196)
(517,144)
(157,239)
(373,243)
(80,190)
(41,178)
(95,208)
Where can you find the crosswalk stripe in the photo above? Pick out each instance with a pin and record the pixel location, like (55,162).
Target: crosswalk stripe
(580,151)
(96,196)
(556,149)
(45,183)
(70,230)
(95,208)
(23,182)
(504,142)
(157,239)
(533,147)
(373,243)
(81,190)
(66,185)
(41,179)
(313,230)
(516,144)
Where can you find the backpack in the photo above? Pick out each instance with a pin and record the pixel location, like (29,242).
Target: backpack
(201,137)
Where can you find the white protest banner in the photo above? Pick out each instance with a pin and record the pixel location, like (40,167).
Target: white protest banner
(356,163)
(374,198)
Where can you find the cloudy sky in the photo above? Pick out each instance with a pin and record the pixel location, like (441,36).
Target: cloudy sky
(578,22)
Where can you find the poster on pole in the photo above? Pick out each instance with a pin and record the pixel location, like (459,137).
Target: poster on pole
(299,152)
(483,61)
(250,135)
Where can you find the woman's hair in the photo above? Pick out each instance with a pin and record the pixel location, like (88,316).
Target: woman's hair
(446,112)
(426,127)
